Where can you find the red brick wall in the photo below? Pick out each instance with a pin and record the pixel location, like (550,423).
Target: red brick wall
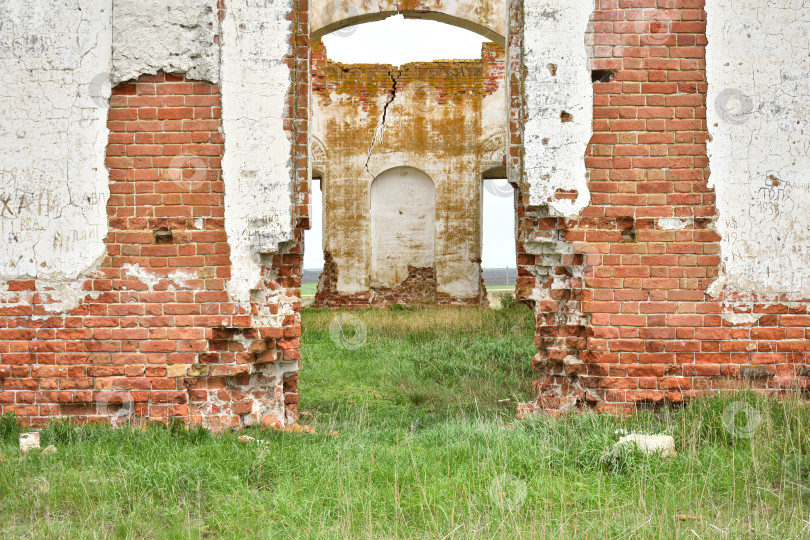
(628,319)
(157,331)
(624,316)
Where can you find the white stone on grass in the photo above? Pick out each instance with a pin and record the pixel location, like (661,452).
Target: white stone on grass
(651,444)
(29,441)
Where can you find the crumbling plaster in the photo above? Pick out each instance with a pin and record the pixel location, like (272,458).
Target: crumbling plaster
(175,36)
(370,119)
(758,107)
(52,210)
(257,166)
(53,135)
(60,61)
(558,102)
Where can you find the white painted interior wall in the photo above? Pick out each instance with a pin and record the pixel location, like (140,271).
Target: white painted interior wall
(403,230)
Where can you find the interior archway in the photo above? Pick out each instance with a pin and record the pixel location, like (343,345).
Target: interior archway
(446,18)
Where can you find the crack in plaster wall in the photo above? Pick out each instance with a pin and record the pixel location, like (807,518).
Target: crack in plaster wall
(379,132)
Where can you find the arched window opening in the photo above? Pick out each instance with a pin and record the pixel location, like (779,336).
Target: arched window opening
(397,41)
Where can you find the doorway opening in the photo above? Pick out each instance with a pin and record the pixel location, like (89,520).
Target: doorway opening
(411,156)
(313,242)
(498,233)
(445,118)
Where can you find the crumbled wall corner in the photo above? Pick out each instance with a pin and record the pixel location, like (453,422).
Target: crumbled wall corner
(559,104)
(175,36)
(257,168)
(758,115)
(53,138)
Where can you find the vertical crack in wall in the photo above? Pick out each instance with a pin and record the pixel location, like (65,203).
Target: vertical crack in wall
(378,133)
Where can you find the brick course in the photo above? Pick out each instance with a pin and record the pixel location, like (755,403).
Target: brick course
(156,330)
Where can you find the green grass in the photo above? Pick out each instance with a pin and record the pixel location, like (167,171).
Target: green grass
(309,289)
(426,447)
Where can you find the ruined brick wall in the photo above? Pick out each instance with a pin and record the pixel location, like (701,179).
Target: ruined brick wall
(157,335)
(445,118)
(156,283)
(626,309)
(152,328)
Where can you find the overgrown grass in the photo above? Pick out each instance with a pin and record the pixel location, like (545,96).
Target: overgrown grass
(424,448)
(445,360)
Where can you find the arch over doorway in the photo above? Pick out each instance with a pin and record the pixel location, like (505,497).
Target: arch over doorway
(403,208)
(485,17)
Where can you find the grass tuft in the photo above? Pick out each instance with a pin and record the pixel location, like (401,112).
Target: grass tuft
(10,428)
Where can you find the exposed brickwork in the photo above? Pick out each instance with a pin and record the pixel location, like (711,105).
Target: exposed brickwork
(157,330)
(623,311)
(623,314)
(451,79)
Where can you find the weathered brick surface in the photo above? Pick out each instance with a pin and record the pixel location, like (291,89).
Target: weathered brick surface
(623,313)
(157,329)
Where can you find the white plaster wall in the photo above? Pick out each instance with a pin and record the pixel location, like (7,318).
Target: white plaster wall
(257,168)
(558,80)
(53,136)
(175,36)
(758,69)
(403,207)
